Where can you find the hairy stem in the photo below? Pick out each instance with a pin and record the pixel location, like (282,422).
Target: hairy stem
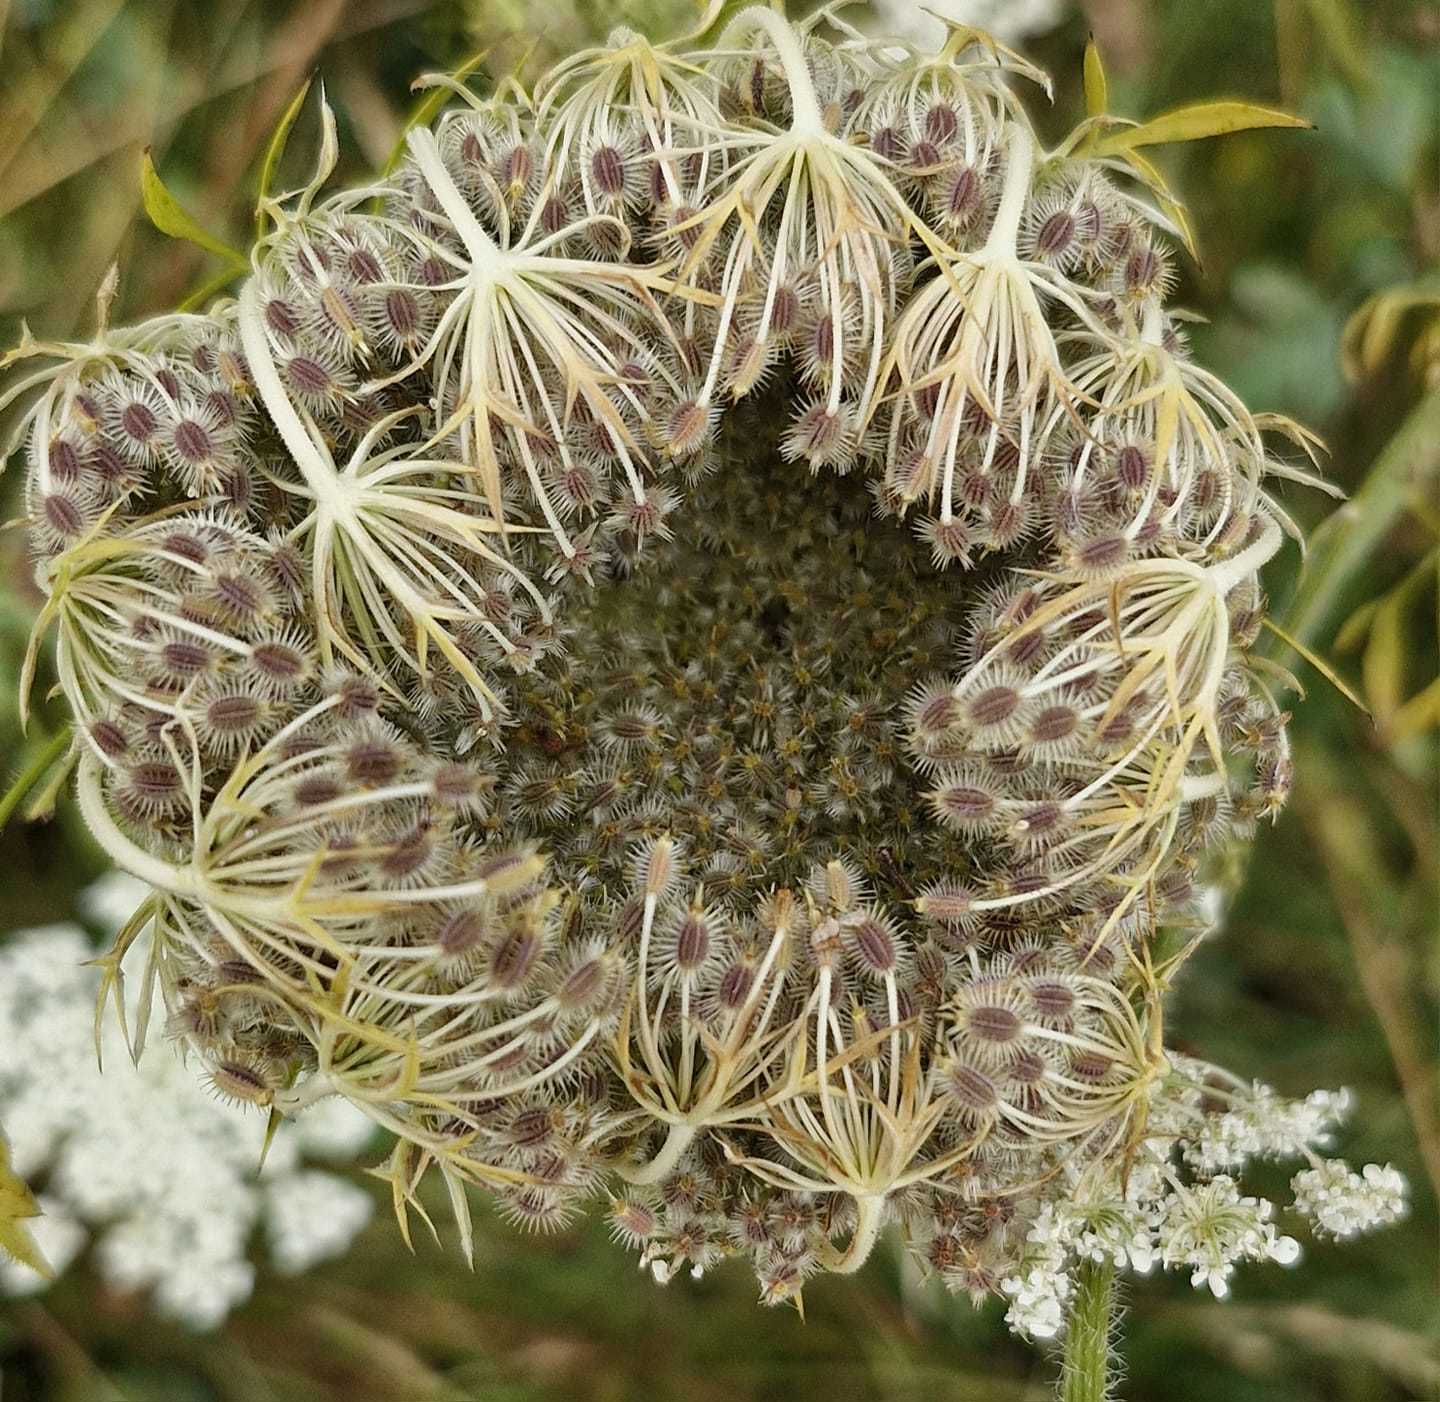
(1087,1373)
(870,1217)
(679,1139)
(31,775)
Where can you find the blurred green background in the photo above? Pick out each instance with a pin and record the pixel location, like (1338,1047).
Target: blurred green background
(1328,966)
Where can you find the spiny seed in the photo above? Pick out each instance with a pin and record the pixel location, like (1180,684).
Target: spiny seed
(281,317)
(455,784)
(192,441)
(1131,467)
(889,144)
(1026,1068)
(364,266)
(223,407)
(554,214)
(941,124)
(1040,818)
(402,313)
(461,931)
(240,594)
(514,959)
(993,1024)
(373,762)
(692,942)
(110,738)
(279,662)
(924,157)
(582,984)
(972,1088)
(735,985)
(684,225)
(1054,723)
(308,375)
(784,311)
(994,705)
(607,170)
(187,546)
(965,803)
(233,714)
(875,947)
(531,1128)
(62,514)
(1090,1066)
(359,696)
(1142,269)
(1102,553)
(938,714)
(154,779)
(186,658)
(316,789)
(1056,235)
(406,856)
(234,1080)
(138,422)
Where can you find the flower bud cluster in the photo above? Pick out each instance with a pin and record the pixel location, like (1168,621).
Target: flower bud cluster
(680,646)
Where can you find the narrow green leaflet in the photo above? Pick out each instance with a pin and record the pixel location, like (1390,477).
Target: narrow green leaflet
(1194,123)
(1097,90)
(169,216)
(275,149)
(1320,665)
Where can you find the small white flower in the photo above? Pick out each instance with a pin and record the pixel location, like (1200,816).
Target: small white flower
(1343,1203)
(145,1158)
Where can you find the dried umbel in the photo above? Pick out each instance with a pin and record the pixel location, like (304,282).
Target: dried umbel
(681,648)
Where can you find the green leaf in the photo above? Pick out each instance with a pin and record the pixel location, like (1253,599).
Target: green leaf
(1353,630)
(1372,331)
(276,148)
(1386,661)
(1383,666)
(1195,122)
(170,217)
(1097,90)
(1418,714)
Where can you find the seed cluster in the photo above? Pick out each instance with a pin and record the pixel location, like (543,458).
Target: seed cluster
(680,646)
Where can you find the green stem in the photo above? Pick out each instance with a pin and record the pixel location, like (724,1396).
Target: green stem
(1087,1374)
(33,773)
(1404,471)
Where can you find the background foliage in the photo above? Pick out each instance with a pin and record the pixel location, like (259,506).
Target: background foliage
(1328,967)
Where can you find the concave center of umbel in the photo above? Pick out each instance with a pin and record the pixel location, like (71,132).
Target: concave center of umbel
(746,690)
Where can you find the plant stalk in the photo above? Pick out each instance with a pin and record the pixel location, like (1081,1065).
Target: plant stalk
(1087,1372)
(48,755)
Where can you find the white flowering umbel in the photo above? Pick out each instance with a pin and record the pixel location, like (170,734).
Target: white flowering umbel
(680,649)
(145,1161)
(1181,1206)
